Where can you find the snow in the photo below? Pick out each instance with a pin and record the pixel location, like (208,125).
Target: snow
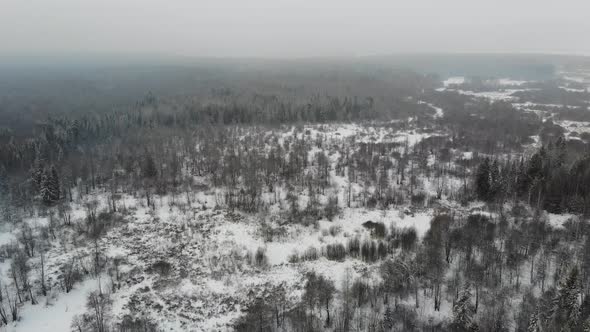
(572,89)
(577,79)
(557,220)
(505,95)
(57,314)
(467,155)
(438,112)
(455,80)
(508,81)
(419,221)
(7,238)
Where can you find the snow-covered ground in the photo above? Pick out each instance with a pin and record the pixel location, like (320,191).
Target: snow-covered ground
(54,313)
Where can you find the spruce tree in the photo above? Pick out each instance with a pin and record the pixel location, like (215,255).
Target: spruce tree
(54,185)
(496,181)
(3,181)
(566,305)
(482,180)
(149,169)
(37,172)
(45,188)
(463,312)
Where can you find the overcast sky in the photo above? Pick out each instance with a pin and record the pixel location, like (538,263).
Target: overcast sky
(289,28)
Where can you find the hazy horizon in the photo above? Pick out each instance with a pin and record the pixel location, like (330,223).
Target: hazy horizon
(292,29)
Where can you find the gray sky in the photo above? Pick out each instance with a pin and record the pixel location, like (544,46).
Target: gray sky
(290,28)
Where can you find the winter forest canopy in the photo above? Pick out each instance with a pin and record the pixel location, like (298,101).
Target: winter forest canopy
(373,194)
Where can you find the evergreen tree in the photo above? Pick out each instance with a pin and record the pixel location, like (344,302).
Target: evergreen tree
(463,312)
(522,180)
(54,185)
(566,306)
(45,188)
(37,172)
(496,181)
(3,182)
(149,169)
(482,180)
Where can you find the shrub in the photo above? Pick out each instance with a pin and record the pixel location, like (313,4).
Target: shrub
(354,247)
(137,324)
(360,291)
(331,209)
(310,254)
(369,251)
(335,230)
(408,237)
(162,267)
(377,229)
(335,252)
(419,199)
(293,258)
(260,258)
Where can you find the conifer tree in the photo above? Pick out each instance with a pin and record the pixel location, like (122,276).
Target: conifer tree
(45,188)
(482,180)
(54,185)
(37,172)
(567,303)
(3,182)
(463,312)
(149,169)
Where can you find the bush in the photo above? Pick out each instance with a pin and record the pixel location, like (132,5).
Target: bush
(377,229)
(310,254)
(408,238)
(335,230)
(331,209)
(354,247)
(141,324)
(260,258)
(360,291)
(335,252)
(369,251)
(418,199)
(162,267)
(293,258)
